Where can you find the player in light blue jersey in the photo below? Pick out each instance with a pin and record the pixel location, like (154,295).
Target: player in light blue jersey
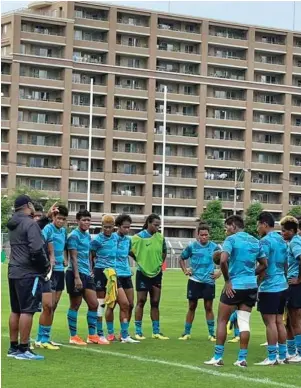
(79,281)
(55,236)
(104,251)
(289,227)
(125,296)
(240,254)
(202,276)
(272,290)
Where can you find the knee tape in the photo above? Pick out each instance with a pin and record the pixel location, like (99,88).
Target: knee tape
(101,307)
(243,320)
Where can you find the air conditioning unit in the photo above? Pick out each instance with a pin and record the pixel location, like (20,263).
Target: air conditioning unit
(122,192)
(156,172)
(166,173)
(170,195)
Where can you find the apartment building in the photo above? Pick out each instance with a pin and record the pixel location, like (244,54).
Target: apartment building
(234,103)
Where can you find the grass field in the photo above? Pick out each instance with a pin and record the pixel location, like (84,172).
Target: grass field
(151,363)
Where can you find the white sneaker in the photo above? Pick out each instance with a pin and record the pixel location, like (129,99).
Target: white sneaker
(129,340)
(282,362)
(289,356)
(241,364)
(295,359)
(215,362)
(267,362)
(37,344)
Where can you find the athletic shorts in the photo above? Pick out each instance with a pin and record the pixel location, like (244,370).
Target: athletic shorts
(294,296)
(88,283)
(46,286)
(58,281)
(246,297)
(272,302)
(197,290)
(25,298)
(145,283)
(125,282)
(100,279)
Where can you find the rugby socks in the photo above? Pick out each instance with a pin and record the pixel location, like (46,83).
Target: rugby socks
(282,349)
(156,327)
(124,329)
(138,327)
(187,328)
(298,343)
(219,351)
(24,348)
(72,322)
(236,331)
(110,327)
(233,317)
(242,355)
(91,320)
(291,347)
(14,345)
(45,330)
(210,324)
(272,352)
(99,328)
(40,334)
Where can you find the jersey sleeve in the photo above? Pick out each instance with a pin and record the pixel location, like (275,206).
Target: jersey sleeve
(295,247)
(47,234)
(72,242)
(95,244)
(228,245)
(264,249)
(216,247)
(186,253)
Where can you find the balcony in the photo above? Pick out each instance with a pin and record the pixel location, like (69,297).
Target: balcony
(227,204)
(227,60)
(96,154)
(132,25)
(95,175)
(176,179)
(39,172)
(91,18)
(260,104)
(275,65)
(43,82)
(129,178)
(256,186)
(5,124)
(176,139)
(122,133)
(42,38)
(178,117)
(270,44)
(227,38)
(97,45)
(269,125)
(130,112)
(52,104)
(4,146)
(125,199)
(39,150)
(268,166)
(177,54)
(136,92)
(98,109)
(295,188)
(234,162)
(273,147)
(225,122)
(219,183)
(5,101)
(141,49)
(174,201)
(85,87)
(227,102)
(231,143)
(74,196)
(177,159)
(177,32)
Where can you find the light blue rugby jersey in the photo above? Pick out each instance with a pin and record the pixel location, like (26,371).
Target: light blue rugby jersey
(105,249)
(80,242)
(123,268)
(58,237)
(294,255)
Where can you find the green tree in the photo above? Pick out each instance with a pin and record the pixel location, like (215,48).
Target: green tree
(252,213)
(213,216)
(295,211)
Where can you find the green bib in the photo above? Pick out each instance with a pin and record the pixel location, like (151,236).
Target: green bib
(148,253)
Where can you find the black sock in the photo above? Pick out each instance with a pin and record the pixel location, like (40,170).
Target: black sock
(23,347)
(14,345)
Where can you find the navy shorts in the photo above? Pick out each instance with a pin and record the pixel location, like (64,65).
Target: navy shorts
(125,282)
(88,283)
(294,296)
(197,290)
(58,281)
(46,286)
(272,302)
(247,297)
(25,298)
(100,279)
(145,283)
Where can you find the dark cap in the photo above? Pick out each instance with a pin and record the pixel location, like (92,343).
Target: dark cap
(22,200)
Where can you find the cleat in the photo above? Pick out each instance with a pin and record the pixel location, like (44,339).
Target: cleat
(160,336)
(55,343)
(31,346)
(289,356)
(283,362)
(76,340)
(112,338)
(229,328)
(212,338)
(12,352)
(37,344)
(215,362)
(28,355)
(234,340)
(241,364)
(49,346)
(265,344)
(129,340)
(267,362)
(140,337)
(95,339)
(185,337)
(294,360)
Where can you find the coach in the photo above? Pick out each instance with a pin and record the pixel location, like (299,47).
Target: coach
(27,264)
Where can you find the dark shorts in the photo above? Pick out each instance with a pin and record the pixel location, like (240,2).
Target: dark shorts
(125,282)
(58,281)
(246,297)
(100,279)
(294,296)
(272,302)
(46,286)
(197,290)
(23,298)
(144,283)
(88,283)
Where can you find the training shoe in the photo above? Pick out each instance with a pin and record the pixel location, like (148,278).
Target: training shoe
(112,338)
(28,355)
(294,360)
(289,356)
(76,340)
(160,336)
(95,339)
(37,344)
(282,362)
(12,352)
(265,344)
(140,337)
(215,362)
(185,337)
(234,340)
(267,362)
(129,340)
(241,364)
(49,346)
(229,328)
(212,338)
